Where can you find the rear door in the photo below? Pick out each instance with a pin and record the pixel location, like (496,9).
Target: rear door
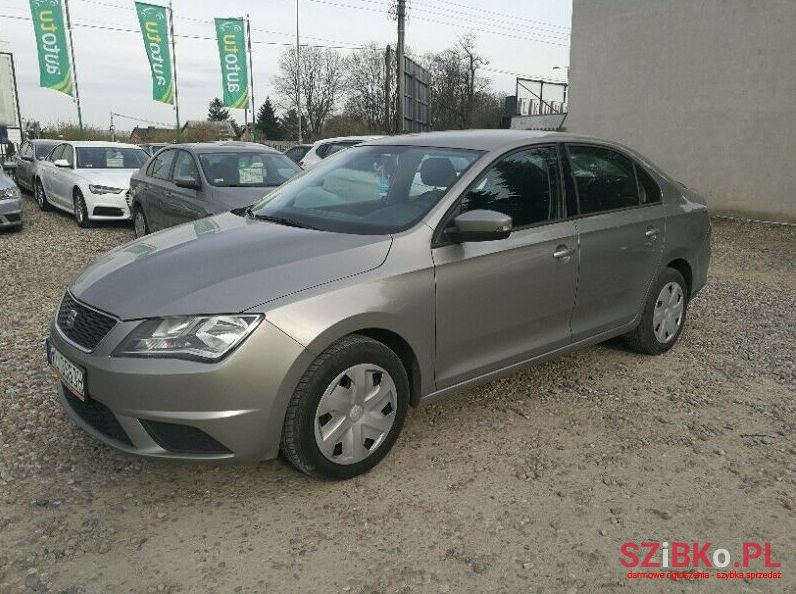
(157,183)
(622,228)
(24,170)
(48,173)
(503,302)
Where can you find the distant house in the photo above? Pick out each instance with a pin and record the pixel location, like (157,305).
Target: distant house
(141,135)
(208,130)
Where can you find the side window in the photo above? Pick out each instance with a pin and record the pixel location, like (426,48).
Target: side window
(161,165)
(26,151)
(649,190)
(69,154)
(323,150)
(58,153)
(525,185)
(605,179)
(185,166)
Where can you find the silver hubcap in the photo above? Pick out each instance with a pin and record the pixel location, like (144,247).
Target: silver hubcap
(79,208)
(140,228)
(668,315)
(355,414)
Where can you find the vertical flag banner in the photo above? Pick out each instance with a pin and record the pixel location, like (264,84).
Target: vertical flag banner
(232,51)
(55,71)
(154,23)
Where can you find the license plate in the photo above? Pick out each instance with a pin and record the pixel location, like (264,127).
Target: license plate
(73,376)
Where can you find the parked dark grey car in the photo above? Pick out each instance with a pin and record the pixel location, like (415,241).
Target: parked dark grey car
(397,272)
(191,181)
(27,159)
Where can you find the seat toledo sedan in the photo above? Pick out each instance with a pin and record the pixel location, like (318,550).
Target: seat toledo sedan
(402,270)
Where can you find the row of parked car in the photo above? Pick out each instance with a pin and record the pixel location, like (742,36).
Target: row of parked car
(155,185)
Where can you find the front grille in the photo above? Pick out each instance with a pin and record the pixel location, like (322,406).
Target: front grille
(182,439)
(108,211)
(98,416)
(83,326)
(13,218)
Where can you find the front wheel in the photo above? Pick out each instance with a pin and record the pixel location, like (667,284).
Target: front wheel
(663,317)
(347,410)
(41,196)
(81,212)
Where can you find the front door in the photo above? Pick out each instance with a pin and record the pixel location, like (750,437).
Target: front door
(502,302)
(622,229)
(182,204)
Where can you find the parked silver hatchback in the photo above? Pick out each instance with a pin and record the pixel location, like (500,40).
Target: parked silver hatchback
(401,270)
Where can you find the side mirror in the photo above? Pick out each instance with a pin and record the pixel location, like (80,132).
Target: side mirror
(61,163)
(187,182)
(40,159)
(480,225)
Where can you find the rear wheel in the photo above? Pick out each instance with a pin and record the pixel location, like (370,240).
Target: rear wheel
(81,212)
(347,410)
(663,317)
(139,222)
(41,196)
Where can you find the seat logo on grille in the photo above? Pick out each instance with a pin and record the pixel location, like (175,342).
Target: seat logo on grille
(69,319)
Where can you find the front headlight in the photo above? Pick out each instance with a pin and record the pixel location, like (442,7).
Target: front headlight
(105,190)
(202,338)
(9,193)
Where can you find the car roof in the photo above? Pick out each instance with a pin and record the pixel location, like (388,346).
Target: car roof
(99,144)
(226,147)
(344,138)
(45,141)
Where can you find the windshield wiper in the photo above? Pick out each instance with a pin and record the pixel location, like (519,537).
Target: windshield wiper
(287,222)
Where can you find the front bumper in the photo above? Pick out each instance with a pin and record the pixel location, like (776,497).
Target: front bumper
(170,408)
(108,207)
(10,212)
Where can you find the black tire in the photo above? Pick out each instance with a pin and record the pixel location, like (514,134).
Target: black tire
(138,211)
(40,196)
(642,339)
(298,434)
(80,210)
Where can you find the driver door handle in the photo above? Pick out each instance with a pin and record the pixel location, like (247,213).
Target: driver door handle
(562,252)
(652,233)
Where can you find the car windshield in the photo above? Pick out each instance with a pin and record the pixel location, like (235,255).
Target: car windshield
(368,190)
(42,149)
(110,157)
(247,169)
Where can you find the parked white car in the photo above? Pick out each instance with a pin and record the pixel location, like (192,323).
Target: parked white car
(89,179)
(329,146)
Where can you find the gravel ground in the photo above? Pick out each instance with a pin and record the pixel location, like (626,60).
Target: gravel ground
(530,483)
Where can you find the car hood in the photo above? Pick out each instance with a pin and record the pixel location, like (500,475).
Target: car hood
(232,198)
(114,178)
(222,264)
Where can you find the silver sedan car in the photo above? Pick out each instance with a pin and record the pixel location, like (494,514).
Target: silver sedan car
(394,274)
(10,203)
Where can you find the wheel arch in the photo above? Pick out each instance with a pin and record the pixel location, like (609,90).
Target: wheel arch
(682,266)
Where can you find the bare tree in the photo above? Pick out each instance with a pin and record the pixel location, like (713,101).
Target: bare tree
(456,85)
(322,83)
(365,84)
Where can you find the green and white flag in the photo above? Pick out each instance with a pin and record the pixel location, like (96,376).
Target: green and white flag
(154,23)
(55,71)
(232,51)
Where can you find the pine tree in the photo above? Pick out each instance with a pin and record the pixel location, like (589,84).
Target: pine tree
(267,122)
(289,123)
(217,112)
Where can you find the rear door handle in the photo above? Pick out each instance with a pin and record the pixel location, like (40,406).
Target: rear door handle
(652,233)
(563,251)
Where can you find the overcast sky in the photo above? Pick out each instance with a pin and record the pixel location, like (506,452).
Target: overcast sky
(519,36)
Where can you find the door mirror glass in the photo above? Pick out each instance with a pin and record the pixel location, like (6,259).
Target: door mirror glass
(187,182)
(61,163)
(480,225)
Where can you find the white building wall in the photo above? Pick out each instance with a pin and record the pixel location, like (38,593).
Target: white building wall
(705,88)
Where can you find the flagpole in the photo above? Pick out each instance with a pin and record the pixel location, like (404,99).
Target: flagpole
(251,78)
(174,71)
(74,71)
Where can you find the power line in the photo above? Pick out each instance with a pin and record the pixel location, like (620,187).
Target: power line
(512,17)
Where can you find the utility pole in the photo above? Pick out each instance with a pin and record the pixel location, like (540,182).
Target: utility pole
(298,73)
(388,111)
(74,71)
(174,72)
(253,135)
(113,130)
(400,54)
